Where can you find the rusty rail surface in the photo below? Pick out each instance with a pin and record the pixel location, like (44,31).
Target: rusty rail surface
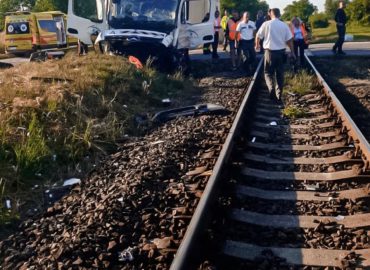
(362,145)
(186,256)
(199,218)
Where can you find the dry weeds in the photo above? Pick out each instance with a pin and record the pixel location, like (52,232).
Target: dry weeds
(58,114)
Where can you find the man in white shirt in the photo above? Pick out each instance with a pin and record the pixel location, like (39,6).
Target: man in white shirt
(247,28)
(276,36)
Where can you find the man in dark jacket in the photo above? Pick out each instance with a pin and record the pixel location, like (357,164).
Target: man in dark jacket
(260,20)
(341,20)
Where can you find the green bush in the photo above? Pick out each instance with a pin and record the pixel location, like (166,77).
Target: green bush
(319,20)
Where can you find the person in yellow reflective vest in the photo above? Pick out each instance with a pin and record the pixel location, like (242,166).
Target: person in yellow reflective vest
(224,21)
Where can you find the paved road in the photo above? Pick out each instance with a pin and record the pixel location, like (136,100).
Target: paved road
(15,61)
(351,48)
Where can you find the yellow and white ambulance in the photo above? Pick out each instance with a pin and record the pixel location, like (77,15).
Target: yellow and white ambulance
(27,32)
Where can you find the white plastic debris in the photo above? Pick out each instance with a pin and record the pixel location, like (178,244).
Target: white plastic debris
(292,94)
(157,142)
(166,100)
(47,191)
(254,139)
(273,123)
(126,255)
(330,199)
(8,204)
(145,86)
(339,218)
(351,145)
(312,187)
(125,106)
(50,195)
(348,37)
(54,158)
(120,199)
(72,181)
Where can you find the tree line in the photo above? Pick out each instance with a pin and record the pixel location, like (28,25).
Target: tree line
(358,12)
(252,6)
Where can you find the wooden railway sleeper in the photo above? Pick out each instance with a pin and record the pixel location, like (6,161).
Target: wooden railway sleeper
(366,164)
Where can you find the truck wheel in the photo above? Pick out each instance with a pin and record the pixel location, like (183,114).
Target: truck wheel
(184,63)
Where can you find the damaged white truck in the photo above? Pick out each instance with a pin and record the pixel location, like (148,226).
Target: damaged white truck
(164,30)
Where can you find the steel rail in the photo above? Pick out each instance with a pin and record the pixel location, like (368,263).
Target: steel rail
(183,257)
(354,132)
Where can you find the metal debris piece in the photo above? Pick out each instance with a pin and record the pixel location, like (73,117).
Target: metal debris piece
(8,204)
(126,255)
(312,187)
(194,110)
(72,181)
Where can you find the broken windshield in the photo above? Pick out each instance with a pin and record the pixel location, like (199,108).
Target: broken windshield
(159,15)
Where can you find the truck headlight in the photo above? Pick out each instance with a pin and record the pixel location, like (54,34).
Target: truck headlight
(167,40)
(10,28)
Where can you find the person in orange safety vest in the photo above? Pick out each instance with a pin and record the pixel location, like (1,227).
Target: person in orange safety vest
(300,38)
(233,38)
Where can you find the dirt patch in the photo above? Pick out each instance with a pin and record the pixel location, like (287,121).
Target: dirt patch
(349,77)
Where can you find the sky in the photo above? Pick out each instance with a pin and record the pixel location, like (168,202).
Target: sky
(283,3)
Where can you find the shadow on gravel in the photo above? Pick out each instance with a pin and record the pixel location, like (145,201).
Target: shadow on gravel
(241,234)
(349,78)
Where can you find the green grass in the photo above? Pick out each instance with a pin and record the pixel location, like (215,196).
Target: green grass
(294,112)
(299,83)
(48,129)
(329,34)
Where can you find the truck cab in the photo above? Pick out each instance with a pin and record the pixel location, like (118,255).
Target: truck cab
(162,29)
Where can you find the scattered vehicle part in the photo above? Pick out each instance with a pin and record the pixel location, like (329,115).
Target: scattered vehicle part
(194,110)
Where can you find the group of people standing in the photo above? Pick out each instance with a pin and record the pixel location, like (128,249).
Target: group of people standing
(271,36)
(239,35)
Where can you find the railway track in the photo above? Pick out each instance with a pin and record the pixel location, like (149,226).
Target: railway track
(285,194)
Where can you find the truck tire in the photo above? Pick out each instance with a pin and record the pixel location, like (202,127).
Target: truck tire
(183,62)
